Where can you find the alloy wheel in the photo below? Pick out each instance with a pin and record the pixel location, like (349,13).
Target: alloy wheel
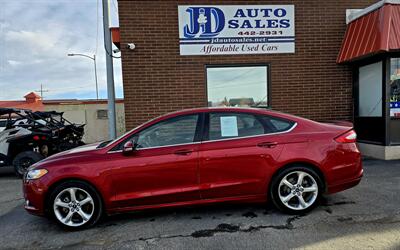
(298,190)
(73,207)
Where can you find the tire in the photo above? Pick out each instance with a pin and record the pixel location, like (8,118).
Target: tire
(24,160)
(79,213)
(292,197)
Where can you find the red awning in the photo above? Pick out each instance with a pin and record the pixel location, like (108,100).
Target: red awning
(376,31)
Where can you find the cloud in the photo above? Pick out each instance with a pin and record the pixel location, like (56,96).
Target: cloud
(34,47)
(14,63)
(4,25)
(39,42)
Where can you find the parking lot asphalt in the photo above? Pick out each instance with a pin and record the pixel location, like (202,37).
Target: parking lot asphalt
(365,217)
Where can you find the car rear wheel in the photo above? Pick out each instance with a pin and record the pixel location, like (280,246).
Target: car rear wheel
(24,160)
(75,205)
(296,190)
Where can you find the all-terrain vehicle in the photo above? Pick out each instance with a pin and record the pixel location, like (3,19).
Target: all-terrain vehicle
(30,136)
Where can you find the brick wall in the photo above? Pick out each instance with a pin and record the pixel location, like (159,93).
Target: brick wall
(308,83)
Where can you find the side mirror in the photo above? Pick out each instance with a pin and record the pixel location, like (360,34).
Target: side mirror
(129,148)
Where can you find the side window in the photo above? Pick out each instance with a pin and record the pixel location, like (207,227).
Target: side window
(232,125)
(275,125)
(178,130)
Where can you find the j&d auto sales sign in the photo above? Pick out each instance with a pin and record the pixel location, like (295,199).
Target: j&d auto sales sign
(236,29)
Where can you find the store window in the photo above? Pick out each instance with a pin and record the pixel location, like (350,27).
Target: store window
(370,90)
(395,87)
(237,86)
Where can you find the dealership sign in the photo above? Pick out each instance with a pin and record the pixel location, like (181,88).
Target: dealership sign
(236,29)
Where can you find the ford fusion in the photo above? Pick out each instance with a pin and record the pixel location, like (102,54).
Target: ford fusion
(198,156)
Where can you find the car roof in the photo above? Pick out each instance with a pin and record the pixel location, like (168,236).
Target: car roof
(255,110)
(261,111)
(214,109)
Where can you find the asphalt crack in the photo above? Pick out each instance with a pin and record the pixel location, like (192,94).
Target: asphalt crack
(221,228)
(228,228)
(343,219)
(249,214)
(224,228)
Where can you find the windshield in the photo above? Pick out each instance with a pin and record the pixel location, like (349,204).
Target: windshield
(109,142)
(104,143)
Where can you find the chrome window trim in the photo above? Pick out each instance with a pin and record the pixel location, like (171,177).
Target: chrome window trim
(250,136)
(208,141)
(173,145)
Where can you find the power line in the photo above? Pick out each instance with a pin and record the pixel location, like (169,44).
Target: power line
(239,84)
(239,75)
(42,91)
(71,88)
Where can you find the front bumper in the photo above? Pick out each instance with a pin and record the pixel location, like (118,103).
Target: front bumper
(34,194)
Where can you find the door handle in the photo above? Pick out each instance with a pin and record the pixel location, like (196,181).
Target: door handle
(183,152)
(267,144)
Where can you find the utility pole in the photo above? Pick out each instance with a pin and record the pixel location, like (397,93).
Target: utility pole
(112,131)
(41,90)
(95,77)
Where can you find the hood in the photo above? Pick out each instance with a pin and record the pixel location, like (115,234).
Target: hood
(75,151)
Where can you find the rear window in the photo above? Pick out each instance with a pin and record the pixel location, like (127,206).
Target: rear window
(233,125)
(275,125)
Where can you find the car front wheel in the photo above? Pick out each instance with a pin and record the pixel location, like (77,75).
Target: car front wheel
(296,190)
(75,205)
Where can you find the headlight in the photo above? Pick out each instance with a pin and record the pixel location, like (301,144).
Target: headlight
(35,174)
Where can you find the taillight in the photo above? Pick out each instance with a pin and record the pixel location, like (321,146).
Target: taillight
(348,137)
(36,138)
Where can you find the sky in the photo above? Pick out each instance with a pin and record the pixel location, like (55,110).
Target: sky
(35,38)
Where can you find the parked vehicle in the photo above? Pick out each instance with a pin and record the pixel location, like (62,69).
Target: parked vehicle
(197,156)
(29,137)
(3,124)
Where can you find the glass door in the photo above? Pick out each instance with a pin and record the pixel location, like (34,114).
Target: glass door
(369,104)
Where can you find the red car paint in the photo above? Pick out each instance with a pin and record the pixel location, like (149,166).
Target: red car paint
(238,170)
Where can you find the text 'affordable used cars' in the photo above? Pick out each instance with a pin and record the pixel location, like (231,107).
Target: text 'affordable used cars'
(198,156)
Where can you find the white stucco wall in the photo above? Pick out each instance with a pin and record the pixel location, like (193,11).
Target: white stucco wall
(96,129)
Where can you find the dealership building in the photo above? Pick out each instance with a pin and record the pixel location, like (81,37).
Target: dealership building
(323,60)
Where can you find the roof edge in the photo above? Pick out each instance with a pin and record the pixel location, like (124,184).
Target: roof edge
(371,8)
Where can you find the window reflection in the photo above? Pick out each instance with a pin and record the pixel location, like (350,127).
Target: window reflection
(370,90)
(237,86)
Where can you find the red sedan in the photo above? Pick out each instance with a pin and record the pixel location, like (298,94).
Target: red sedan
(197,156)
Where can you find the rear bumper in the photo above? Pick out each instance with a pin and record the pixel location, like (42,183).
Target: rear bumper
(344,169)
(346,184)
